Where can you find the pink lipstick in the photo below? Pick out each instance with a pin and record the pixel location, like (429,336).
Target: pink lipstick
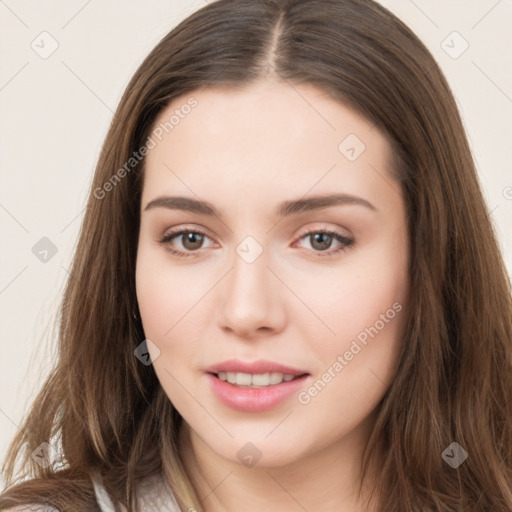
(256,386)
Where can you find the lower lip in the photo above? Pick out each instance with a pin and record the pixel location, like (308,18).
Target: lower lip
(254,399)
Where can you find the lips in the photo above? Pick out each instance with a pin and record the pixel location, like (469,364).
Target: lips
(246,399)
(254,399)
(256,367)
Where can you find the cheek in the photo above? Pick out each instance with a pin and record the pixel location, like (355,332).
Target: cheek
(165,293)
(358,363)
(157,300)
(175,307)
(168,301)
(351,297)
(363,304)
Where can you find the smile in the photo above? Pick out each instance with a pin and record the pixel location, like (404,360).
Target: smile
(252,397)
(258,380)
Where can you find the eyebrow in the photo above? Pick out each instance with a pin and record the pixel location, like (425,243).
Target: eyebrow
(284,209)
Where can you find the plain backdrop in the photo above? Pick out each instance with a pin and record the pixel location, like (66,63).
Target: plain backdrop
(64,65)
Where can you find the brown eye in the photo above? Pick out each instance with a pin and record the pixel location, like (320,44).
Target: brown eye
(320,241)
(188,242)
(191,240)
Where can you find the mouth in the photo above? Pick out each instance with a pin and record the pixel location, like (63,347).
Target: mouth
(256,380)
(254,386)
(255,392)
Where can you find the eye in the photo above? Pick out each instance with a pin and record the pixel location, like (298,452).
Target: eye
(321,240)
(191,240)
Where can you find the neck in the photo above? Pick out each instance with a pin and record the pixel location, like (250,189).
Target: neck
(327,479)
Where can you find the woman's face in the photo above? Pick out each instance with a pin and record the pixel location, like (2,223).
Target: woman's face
(261,286)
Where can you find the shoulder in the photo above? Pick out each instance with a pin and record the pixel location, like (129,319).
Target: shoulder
(32,507)
(153,494)
(156,494)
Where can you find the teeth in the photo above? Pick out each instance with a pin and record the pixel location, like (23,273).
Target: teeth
(243,379)
(259,380)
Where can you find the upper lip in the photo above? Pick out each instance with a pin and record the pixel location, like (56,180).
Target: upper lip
(255,367)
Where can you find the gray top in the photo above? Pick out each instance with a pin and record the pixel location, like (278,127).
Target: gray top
(155,494)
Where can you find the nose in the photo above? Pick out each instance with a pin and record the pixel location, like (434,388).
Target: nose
(251,301)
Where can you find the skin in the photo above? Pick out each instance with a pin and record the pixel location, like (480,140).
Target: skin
(245,151)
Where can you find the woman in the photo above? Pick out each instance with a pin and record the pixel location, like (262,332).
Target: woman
(334,332)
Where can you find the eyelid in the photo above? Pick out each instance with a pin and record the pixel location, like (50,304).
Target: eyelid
(319,227)
(184,228)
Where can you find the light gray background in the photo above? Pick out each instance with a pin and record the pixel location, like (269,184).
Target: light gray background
(55,112)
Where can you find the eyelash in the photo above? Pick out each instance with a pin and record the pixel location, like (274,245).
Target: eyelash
(346,243)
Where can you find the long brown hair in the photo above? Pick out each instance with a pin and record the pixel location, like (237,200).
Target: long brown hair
(103,410)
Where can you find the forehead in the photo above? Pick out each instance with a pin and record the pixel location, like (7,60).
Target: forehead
(266,138)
